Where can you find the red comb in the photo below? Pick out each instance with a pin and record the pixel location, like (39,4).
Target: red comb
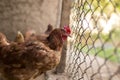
(67,28)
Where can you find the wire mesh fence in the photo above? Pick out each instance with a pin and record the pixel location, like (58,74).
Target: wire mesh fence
(94,49)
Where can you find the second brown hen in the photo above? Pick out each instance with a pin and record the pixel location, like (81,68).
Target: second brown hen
(31,34)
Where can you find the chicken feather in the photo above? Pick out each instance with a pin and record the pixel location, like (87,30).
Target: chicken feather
(30,56)
(26,60)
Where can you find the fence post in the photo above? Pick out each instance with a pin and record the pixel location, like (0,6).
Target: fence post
(65,13)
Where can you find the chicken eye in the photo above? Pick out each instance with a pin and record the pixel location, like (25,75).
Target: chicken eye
(63,31)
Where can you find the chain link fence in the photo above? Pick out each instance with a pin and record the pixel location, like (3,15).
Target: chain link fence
(94,48)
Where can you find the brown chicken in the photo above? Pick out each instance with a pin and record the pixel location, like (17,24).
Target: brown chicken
(26,60)
(49,29)
(31,34)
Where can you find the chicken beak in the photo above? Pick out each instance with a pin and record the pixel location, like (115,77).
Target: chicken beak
(69,35)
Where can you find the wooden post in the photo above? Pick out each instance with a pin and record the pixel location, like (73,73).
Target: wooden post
(65,14)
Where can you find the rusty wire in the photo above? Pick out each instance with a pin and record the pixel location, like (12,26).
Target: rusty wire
(93,51)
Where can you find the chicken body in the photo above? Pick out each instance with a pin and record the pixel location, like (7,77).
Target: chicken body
(26,60)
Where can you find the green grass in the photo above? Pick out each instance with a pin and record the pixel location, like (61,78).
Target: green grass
(110,54)
(107,53)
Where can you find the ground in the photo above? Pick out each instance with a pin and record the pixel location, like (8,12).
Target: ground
(52,76)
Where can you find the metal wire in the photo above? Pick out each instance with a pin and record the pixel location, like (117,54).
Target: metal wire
(94,49)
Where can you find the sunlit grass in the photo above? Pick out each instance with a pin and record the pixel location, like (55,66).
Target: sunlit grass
(103,50)
(106,53)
